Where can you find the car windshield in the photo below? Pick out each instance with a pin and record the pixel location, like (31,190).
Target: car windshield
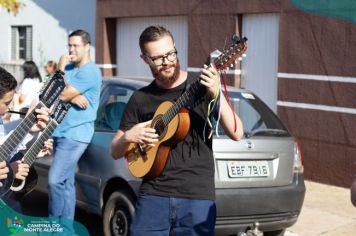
(257,118)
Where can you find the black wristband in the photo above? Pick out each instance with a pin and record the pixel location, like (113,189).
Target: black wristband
(60,71)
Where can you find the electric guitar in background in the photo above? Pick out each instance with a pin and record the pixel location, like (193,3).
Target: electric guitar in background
(48,96)
(172,123)
(58,114)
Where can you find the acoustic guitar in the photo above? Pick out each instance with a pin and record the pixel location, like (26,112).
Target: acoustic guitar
(171,122)
(57,115)
(48,95)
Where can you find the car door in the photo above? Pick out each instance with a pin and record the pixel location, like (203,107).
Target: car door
(96,167)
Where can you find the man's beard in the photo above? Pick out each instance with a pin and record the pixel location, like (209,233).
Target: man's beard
(166,79)
(76,59)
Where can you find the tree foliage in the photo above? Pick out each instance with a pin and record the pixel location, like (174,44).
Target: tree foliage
(12,6)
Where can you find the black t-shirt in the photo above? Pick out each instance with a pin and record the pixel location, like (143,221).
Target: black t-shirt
(189,171)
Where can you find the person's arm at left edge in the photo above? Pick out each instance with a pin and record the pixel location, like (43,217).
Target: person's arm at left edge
(20,168)
(4,170)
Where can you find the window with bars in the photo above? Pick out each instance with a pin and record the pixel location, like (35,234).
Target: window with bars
(21,42)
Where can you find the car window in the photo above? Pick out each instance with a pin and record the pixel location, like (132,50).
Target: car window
(255,115)
(111,109)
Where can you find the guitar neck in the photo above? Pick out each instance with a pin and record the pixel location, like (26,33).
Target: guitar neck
(15,138)
(181,102)
(48,95)
(220,63)
(31,154)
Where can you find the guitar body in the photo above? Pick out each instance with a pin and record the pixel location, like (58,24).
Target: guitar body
(149,162)
(6,183)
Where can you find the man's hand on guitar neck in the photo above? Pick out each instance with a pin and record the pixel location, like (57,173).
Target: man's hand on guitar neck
(229,120)
(209,78)
(20,169)
(42,116)
(47,148)
(3,171)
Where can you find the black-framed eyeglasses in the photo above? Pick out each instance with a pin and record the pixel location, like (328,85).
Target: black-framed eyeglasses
(157,61)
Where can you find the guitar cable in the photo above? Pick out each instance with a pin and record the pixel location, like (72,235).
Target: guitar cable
(214,105)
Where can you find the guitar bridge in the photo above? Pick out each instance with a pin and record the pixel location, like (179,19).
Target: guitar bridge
(138,152)
(142,152)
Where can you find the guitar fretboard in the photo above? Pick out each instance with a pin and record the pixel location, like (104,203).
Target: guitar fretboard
(48,95)
(181,102)
(34,150)
(9,146)
(224,60)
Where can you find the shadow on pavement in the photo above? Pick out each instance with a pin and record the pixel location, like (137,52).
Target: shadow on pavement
(36,204)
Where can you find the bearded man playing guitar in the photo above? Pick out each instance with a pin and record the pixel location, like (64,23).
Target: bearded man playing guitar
(180,196)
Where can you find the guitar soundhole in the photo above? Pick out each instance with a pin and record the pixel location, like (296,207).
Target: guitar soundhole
(159,126)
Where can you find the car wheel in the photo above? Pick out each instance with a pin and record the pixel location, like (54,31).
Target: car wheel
(275,233)
(118,213)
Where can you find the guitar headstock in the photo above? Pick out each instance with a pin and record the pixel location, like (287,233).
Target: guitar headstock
(232,54)
(52,89)
(60,110)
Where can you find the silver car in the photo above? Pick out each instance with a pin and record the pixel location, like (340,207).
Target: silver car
(259,180)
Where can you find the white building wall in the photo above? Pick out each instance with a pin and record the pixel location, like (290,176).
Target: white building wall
(51,22)
(129,30)
(260,67)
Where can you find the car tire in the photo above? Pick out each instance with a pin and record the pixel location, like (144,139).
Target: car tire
(275,233)
(118,213)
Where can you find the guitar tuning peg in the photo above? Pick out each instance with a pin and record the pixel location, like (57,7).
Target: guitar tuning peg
(235,38)
(240,58)
(231,65)
(236,62)
(227,68)
(244,55)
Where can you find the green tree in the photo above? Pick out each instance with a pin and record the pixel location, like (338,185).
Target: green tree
(12,6)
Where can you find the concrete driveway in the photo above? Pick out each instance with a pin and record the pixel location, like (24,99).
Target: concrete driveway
(327,211)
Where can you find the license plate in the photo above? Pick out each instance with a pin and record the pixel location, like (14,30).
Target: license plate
(239,169)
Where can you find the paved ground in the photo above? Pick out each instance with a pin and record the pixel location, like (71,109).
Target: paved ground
(327,211)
